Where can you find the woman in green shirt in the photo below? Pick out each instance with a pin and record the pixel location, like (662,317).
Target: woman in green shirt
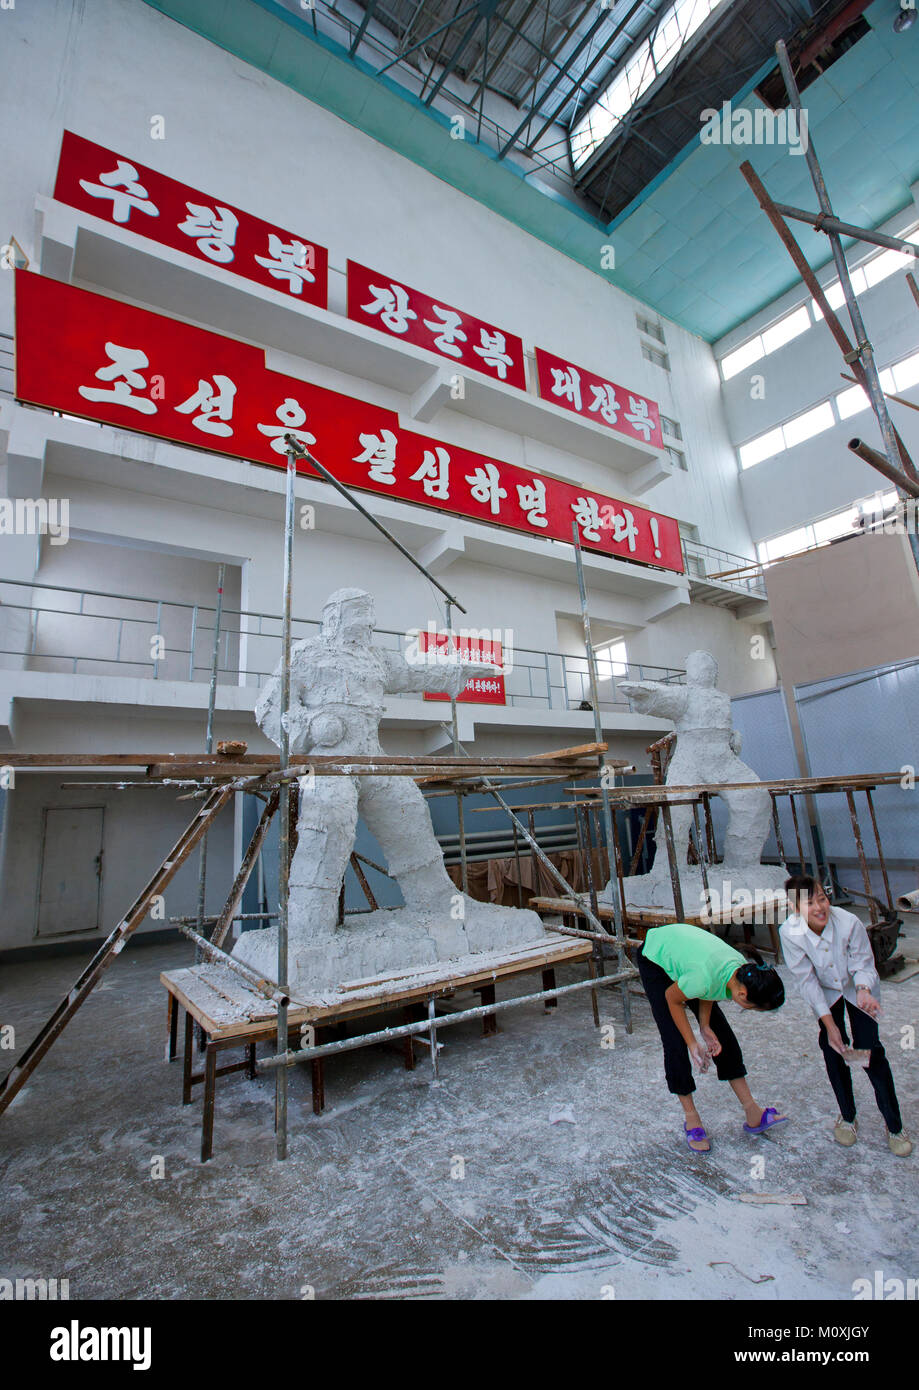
(684,967)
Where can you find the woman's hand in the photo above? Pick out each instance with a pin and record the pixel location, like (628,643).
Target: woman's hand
(711,1042)
(867,1003)
(701,1057)
(834,1037)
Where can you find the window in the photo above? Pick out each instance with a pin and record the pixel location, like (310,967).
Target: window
(807,425)
(650,59)
(743,357)
(677,458)
(671,427)
(764,447)
(653,330)
(828,528)
(797,321)
(660,359)
(791,326)
(612,660)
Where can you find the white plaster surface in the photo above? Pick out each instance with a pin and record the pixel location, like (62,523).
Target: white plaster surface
(707,751)
(338,682)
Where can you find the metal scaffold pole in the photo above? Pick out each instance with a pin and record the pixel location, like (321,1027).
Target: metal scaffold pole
(460,813)
(284,807)
(863,351)
(209,737)
(622,958)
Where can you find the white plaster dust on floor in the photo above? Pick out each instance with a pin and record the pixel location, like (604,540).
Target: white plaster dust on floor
(609,1203)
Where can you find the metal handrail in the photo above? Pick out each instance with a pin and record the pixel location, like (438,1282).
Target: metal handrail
(726,559)
(535,677)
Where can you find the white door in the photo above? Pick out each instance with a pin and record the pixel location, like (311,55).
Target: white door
(70,883)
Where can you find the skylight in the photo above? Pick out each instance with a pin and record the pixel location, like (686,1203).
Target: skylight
(650,59)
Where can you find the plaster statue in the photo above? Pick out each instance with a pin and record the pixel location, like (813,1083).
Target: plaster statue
(338,681)
(707,751)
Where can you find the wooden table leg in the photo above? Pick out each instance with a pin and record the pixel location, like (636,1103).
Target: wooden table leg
(186,1060)
(408,1044)
(548,982)
(172,1026)
(318,1080)
(210,1089)
(490,1021)
(252,1073)
(595,1004)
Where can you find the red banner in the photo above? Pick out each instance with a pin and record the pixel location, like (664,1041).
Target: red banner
(587,394)
(88,355)
(96,180)
(486,689)
(413,317)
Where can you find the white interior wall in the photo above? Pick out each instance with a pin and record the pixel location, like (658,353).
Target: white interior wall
(271,151)
(819,475)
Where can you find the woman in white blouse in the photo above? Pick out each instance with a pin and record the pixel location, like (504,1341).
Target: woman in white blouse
(829,955)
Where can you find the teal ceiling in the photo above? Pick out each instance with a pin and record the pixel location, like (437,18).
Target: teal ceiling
(695,246)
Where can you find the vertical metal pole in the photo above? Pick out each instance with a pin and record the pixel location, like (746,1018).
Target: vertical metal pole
(209,747)
(621,956)
(778,829)
(863,346)
(433,1026)
(460,815)
(517,862)
(794,817)
(877,840)
(280,1107)
(701,849)
(862,859)
(671,857)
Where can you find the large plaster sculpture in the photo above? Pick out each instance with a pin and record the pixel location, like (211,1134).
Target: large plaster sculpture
(338,681)
(707,751)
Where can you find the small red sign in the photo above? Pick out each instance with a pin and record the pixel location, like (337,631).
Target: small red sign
(486,689)
(585,393)
(108,185)
(413,317)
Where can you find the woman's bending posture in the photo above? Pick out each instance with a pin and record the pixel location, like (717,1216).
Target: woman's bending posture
(684,967)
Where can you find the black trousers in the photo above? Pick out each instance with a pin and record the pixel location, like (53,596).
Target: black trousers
(864,1035)
(729,1063)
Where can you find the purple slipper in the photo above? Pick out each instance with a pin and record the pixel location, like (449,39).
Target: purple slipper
(696,1135)
(770,1117)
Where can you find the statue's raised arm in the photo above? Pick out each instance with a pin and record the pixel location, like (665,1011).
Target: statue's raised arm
(653,697)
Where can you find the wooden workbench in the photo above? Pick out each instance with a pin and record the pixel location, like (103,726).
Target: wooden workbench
(231,1015)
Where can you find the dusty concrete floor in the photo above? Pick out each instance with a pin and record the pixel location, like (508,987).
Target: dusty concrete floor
(576,1180)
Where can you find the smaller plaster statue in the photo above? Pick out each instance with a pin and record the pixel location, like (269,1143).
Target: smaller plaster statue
(707,752)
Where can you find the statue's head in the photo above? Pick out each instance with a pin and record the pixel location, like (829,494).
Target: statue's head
(348,615)
(702,669)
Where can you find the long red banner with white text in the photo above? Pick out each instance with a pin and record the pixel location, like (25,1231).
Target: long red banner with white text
(88,355)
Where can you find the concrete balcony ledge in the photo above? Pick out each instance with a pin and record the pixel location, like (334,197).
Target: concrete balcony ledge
(38,441)
(59,712)
(75,247)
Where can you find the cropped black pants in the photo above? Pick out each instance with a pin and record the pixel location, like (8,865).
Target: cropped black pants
(864,1035)
(729,1063)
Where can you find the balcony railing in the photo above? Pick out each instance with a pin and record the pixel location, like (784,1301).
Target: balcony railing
(707,561)
(55,628)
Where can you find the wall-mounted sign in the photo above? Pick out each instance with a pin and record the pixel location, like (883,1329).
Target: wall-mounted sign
(599,400)
(86,354)
(471,345)
(96,180)
(484,689)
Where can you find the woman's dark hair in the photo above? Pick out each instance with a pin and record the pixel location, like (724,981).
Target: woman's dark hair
(802,883)
(762,982)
